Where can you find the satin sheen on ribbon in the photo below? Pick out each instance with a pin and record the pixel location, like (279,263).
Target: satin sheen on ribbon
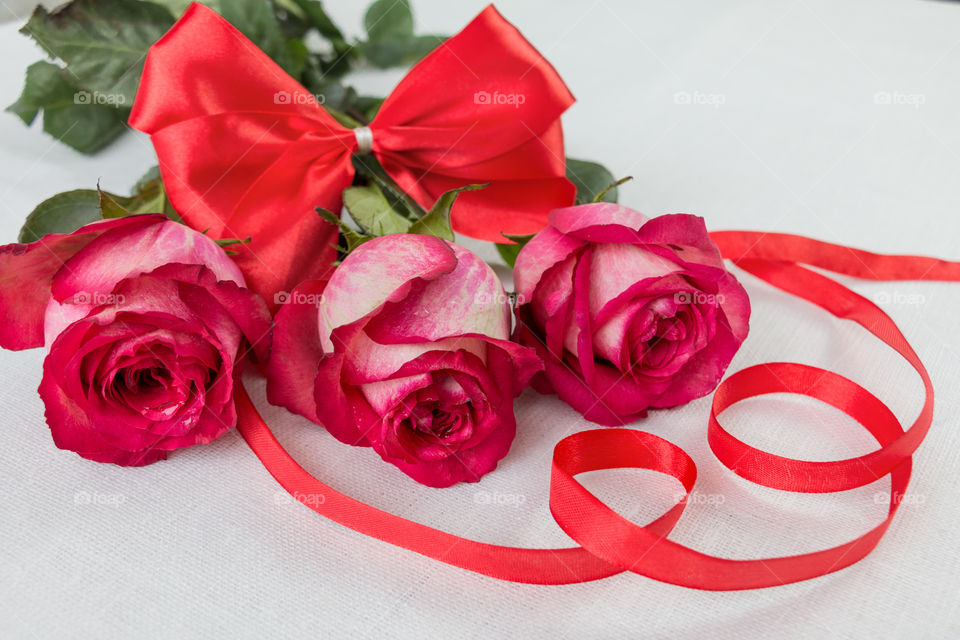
(611,544)
(245,150)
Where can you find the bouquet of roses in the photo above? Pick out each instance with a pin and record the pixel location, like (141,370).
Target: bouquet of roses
(376,325)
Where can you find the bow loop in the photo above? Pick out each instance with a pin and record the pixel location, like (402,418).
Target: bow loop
(245,150)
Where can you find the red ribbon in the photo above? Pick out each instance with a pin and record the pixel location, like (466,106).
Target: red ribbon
(611,544)
(245,150)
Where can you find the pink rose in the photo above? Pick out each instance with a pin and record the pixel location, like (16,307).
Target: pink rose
(627,313)
(145,321)
(406,350)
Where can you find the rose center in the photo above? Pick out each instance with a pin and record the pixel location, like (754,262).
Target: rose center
(152,391)
(430,418)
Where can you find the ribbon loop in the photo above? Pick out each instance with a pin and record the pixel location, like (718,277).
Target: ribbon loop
(610,544)
(230,136)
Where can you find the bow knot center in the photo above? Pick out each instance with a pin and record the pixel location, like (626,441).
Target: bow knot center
(364,139)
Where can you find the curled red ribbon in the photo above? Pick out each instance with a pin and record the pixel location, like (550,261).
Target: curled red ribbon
(246,151)
(611,544)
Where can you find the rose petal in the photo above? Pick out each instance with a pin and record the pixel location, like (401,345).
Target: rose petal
(27,272)
(618,267)
(386,394)
(469,299)
(570,220)
(191,325)
(370,361)
(492,434)
(379,271)
(124,253)
(541,253)
(296,354)
(71,428)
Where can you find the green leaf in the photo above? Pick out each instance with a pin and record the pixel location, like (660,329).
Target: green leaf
(102,42)
(315,14)
(68,114)
(171,213)
(422,45)
(109,207)
(590,179)
(256,20)
(368,167)
(385,54)
(368,206)
(390,39)
(352,237)
(389,20)
(437,221)
(42,86)
(63,213)
(152,175)
(509,252)
(67,212)
(225,243)
(150,196)
(231,242)
(177,7)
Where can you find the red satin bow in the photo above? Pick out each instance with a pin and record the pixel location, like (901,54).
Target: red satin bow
(245,151)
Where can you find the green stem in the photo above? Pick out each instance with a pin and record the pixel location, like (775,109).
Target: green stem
(343,118)
(599,196)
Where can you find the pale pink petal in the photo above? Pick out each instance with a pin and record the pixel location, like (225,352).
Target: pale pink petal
(618,267)
(369,361)
(124,253)
(387,394)
(572,219)
(379,271)
(27,272)
(542,252)
(469,299)
(609,338)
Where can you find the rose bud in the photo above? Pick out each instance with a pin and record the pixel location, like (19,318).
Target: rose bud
(146,323)
(627,313)
(406,350)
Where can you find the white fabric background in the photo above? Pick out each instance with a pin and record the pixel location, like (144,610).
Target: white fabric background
(204,545)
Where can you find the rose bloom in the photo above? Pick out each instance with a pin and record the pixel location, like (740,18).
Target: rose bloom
(145,322)
(406,349)
(628,313)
